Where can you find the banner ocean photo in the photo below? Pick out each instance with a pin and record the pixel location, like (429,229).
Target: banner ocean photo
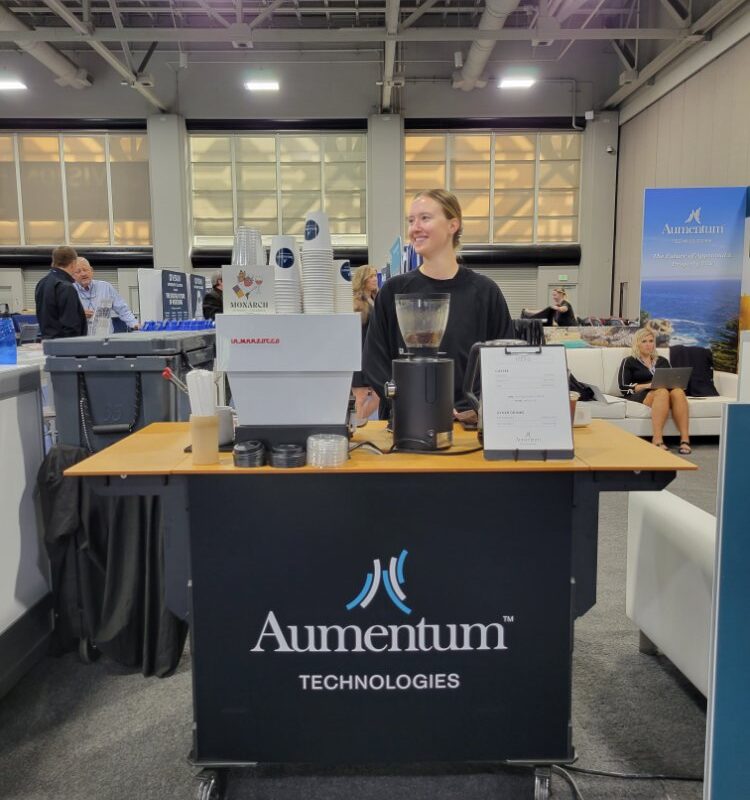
(691,267)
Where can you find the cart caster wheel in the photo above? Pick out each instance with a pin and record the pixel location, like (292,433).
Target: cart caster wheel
(541,783)
(210,785)
(88,651)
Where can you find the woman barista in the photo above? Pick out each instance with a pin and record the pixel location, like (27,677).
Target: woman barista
(478,311)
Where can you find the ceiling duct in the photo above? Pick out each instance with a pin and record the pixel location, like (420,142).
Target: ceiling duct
(68,74)
(495,13)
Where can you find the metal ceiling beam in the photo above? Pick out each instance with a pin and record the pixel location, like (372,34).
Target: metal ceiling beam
(266,13)
(625,56)
(677,9)
(389,58)
(588,19)
(429,6)
(305,35)
(84,33)
(118,24)
(417,13)
(567,8)
(697,31)
(214,14)
(68,73)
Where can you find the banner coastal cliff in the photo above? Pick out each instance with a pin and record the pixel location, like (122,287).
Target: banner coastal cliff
(691,268)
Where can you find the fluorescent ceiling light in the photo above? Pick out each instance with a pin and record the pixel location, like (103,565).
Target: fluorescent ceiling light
(10,86)
(262,86)
(516,83)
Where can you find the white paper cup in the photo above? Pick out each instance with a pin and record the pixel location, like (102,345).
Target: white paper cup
(284,258)
(317,232)
(226,424)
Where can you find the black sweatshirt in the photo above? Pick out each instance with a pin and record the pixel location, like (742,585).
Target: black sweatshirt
(633,371)
(58,307)
(478,313)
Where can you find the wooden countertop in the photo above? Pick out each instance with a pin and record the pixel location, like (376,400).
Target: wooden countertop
(159,449)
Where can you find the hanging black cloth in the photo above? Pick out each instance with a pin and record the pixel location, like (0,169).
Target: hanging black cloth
(701,383)
(530,330)
(107,564)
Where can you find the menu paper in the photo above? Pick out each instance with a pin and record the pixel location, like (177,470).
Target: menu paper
(525,403)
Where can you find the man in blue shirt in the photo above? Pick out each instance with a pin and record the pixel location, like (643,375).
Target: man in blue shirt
(101,296)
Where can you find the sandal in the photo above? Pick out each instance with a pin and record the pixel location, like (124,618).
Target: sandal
(661,445)
(685,449)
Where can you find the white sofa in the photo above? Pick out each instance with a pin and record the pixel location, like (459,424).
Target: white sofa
(599,366)
(670,572)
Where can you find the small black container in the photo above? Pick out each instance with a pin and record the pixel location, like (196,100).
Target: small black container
(249,454)
(287,455)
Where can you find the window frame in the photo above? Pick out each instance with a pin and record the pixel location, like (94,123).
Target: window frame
(339,240)
(537,161)
(60,135)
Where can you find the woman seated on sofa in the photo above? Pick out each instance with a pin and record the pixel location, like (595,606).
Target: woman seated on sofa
(634,377)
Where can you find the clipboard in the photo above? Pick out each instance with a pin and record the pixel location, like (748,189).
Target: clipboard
(526,403)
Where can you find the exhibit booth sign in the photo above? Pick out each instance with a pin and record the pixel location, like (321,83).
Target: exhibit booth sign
(163,294)
(694,244)
(367,634)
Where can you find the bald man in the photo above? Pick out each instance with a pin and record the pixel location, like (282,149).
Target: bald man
(94,294)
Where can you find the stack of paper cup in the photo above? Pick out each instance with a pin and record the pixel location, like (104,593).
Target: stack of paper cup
(343,297)
(284,258)
(317,265)
(248,248)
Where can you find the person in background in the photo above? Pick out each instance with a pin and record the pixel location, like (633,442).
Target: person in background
(560,312)
(213,301)
(478,311)
(634,378)
(98,293)
(364,289)
(58,308)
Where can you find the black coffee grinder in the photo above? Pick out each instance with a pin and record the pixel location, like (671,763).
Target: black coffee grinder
(421,386)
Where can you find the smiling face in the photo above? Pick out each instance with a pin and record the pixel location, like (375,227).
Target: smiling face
(430,231)
(83,273)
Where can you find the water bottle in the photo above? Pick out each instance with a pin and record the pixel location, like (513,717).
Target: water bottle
(7,341)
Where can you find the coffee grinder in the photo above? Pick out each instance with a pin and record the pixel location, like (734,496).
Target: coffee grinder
(421,386)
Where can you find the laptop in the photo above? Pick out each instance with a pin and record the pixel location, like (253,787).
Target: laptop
(671,377)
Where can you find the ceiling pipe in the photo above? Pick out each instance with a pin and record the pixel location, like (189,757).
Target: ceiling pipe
(68,73)
(494,16)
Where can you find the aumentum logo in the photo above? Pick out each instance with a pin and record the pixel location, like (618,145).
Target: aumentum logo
(422,636)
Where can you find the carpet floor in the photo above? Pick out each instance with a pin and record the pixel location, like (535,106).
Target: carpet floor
(69,731)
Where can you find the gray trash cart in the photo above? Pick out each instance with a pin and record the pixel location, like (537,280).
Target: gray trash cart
(106,387)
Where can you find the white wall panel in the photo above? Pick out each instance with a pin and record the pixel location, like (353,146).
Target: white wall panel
(697,135)
(518,285)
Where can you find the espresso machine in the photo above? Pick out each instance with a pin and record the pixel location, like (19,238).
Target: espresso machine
(421,386)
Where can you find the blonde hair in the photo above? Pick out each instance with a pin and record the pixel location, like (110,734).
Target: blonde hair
(560,290)
(361,276)
(451,208)
(362,299)
(638,338)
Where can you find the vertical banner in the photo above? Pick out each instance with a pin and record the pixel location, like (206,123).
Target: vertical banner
(174,294)
(694,244)
(197,293)
(395,258)
(727,743)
